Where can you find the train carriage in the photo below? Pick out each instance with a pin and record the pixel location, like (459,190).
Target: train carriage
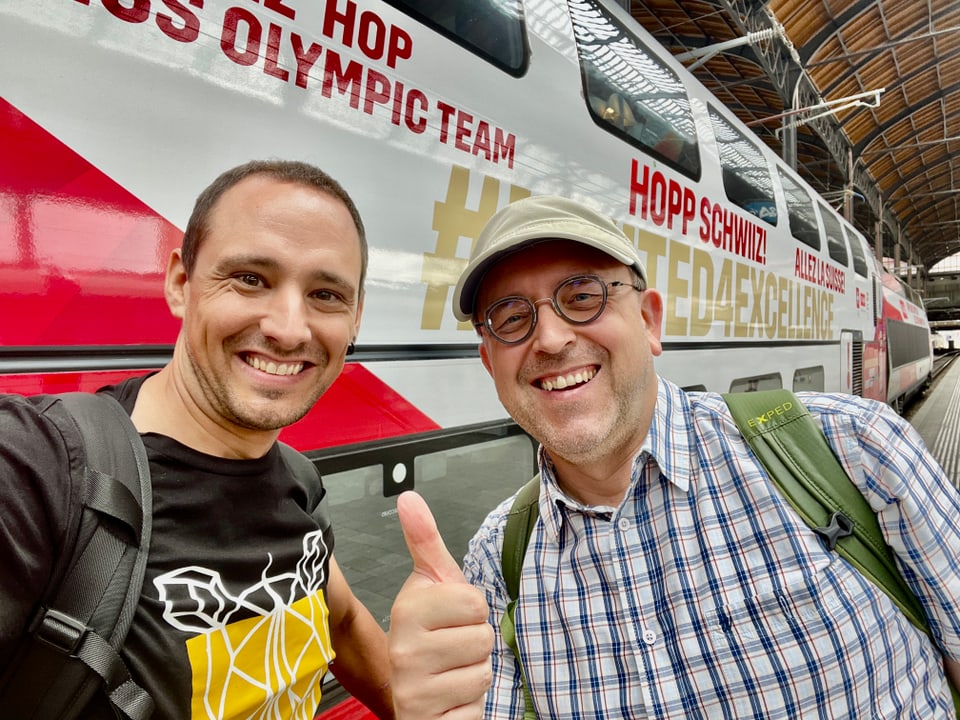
(115,113)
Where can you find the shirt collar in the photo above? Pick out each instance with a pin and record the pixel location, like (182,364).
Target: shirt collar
(669,445)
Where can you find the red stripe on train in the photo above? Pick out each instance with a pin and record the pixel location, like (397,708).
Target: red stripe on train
(81,259)
(350,709)
(358,406)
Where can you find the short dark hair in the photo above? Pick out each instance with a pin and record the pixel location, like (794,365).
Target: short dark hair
(292,171)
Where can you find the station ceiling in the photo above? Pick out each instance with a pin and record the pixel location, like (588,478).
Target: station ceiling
(890,70)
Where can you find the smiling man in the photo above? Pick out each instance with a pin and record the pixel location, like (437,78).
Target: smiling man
(243,607)
(666,576)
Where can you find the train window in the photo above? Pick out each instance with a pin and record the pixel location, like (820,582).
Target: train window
(909,293)
(811,378)
(771,381)
(630,92)
(803,221)
(362,499)
(493,29)
(746,174)
(907,343)
(836,247)
(856,250)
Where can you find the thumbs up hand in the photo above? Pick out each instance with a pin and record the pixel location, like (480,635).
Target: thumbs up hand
(440,640)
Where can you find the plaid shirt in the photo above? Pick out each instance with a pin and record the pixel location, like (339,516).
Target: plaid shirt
(703,595)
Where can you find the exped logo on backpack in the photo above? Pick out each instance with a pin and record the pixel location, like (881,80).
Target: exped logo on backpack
(760,420)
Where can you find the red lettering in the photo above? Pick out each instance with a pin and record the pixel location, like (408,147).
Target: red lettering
(228,38)
(305,60)
(373,35)
(415,97)
(689,207)
(705,224)
(347,19)
(505,145)
(658,197)
(377,91)
(348,79)
(271,65)
(739,236)
(464,121)
(717,225)
(400,46)
(638,189)
(138,12)
(278,6)
(397,114)
(665,200)
(445,112)
(674,195)
(189,27)
(481,143)
(729,219)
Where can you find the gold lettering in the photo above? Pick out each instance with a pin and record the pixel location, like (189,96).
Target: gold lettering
(770,305)
(452,219)
(655,246)
(756,316)
(701,298)
(783,309)
(809,319)
(741,300)
(677,289)
(723,306)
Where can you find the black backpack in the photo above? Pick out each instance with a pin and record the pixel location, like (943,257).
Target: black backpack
(73,642)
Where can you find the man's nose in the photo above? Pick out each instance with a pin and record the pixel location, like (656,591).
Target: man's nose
(285,321)
(552,332)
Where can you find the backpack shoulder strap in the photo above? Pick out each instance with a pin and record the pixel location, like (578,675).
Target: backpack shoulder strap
(516,535)
(797,457)
(76,636)
(521,520)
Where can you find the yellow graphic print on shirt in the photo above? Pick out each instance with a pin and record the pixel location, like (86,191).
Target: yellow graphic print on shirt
(269,666)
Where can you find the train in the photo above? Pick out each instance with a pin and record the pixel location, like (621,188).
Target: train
(114,114)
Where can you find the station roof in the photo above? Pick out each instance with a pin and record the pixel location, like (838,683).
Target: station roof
(889,68)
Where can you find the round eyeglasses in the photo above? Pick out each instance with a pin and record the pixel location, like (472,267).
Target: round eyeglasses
(578,300)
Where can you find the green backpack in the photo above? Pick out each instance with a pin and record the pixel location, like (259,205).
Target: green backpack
(795,453)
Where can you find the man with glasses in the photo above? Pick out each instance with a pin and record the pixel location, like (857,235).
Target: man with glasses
(666,576)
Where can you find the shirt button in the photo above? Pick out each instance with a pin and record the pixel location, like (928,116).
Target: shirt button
(649,637)
(623,524)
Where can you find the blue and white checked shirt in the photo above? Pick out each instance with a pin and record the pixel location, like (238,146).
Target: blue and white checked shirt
(703,595)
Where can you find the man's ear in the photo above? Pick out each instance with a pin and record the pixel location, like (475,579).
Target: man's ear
(651,307)
(356,322)
(485,358)
(175,284)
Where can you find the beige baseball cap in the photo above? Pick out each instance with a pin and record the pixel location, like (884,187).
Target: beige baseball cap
(531,220)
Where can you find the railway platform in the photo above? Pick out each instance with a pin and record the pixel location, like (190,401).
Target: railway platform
(937,418)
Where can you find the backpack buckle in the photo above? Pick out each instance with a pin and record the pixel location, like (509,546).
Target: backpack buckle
(59,630)
(840,527)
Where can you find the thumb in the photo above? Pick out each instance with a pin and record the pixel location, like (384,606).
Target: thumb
(431,558)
